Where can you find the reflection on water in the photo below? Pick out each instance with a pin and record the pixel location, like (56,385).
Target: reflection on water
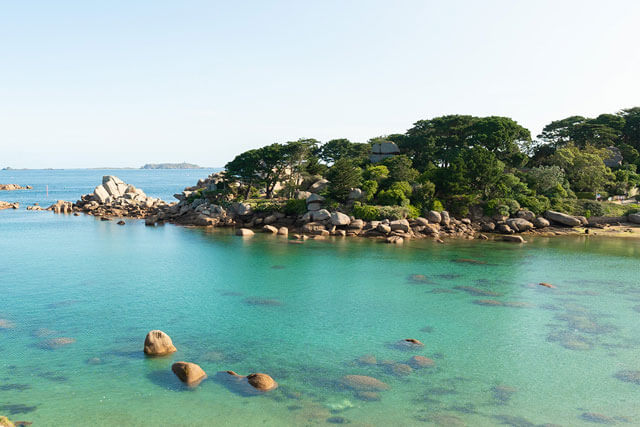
(326,319)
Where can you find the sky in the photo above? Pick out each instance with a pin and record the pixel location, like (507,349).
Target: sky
(122,83)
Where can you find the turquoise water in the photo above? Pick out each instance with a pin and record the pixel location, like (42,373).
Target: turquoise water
(547,359)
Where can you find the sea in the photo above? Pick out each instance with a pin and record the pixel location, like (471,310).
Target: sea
(78,296)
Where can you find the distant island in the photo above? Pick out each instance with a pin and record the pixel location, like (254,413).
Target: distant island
(171,166)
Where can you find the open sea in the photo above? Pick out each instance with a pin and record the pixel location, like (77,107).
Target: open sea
(505,350)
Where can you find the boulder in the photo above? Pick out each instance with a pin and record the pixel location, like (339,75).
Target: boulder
(270,229)
(319,185)
(262,382)
(283,231)
(313,227)
(396,240)
(100,193)
(421,221)
(583,220)
(340,219)
(400,225)
(363,383)
(519,224)
(189,373)
(634,218)
(513,239)
(526,215)
(244,232)
(157,343)
(6,422)
(445,219)
(301,195)
(434,217)
(383,228)
(355,194)
(540,222)
(270,219)
(320,215)
(61,207)
(241,209)
(356,224)
(504,229)
(562,218)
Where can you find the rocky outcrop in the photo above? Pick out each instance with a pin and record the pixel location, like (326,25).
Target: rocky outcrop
(340,219)
(157,343)
(115,198)
(562,218)
(61,207)
(540,222)
(8,205)
(189,373)
(519,224)
(12,187)
(634,218)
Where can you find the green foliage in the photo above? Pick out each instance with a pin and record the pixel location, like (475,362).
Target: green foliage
(376,173)
(437,206)
(423,194)
(365,212)
(536,204)
(585,168)
(503,207)
(460,204)
(585,195)
(295,207)
(337,149)
(343,176)
(370,189)
(544,179)
(402,186)
(391,197)
(400,169)
(265,206)
(592,207)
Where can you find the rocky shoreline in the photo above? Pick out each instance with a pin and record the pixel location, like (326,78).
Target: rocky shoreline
(116,199)
(12,187)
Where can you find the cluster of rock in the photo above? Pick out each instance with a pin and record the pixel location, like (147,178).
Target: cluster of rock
(115,198)
(158,344)
(9,205)
(11,187)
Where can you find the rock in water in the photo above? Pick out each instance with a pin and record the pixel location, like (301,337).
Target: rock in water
(363,383)
(244,232)
(409,344)
(6,422)
(157,343)
(513,239)
(189,373)
(262,382)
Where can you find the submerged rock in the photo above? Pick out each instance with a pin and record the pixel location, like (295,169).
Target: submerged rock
(189,373)
(503,393)
(157,343)
(368,396)
(477,291)
(401,369)
(594,417)
(628,376)
(367,359)
(421,362)
(6,324)
(488,302)
(55,343)
(363,383)
(262,301)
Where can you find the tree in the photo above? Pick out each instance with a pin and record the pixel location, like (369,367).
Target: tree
(560,132)
(343,176)
(400,169)
(337,149)
(585,168)
(475,171)
(544,179)
(437,141)
(502,136)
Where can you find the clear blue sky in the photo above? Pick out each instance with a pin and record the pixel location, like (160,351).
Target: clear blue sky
(123,83)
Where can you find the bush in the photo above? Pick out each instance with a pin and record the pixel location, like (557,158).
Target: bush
(459,205)
(266,206)
(370,188)
(568,206)
(437,206)
(594,208)
(536,204)
(295,207)
(504,207)
(365,212)
(391,197)
(585,195)
(395,212)
(403,186)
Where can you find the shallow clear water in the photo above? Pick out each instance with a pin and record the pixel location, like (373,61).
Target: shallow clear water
(548,360)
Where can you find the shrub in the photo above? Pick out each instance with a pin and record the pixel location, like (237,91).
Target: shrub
(459,205)
(391,197)
(295,207)
(536,204)
(376,173)
(568,206)
(266,206)
(403,186)
(365,212)
(437,205)
(585,195)
(370,188)
(394,212)
(593,207)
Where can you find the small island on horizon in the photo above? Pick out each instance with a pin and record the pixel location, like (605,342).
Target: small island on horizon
(182,165)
